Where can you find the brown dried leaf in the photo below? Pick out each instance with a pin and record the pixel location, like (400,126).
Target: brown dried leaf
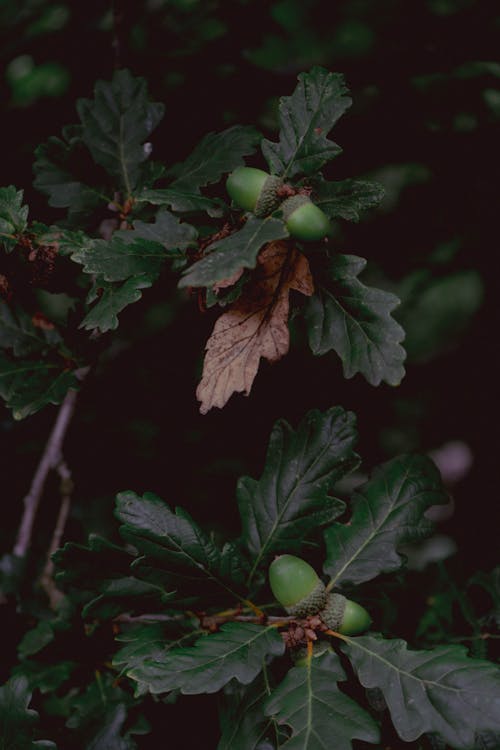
(255,326)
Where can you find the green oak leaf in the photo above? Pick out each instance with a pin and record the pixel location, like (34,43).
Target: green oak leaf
(244,726)
(113,299)
(120,258)
(292,498)
(176,543)
(17,721)
(28,386)
(13,216)
(57,171)
(215,154)
(306,117)
(236,651)
(239,250)
(319,714)
(116,124)
(345,199)
(182,201)
(386,511)
(438,691)
(166,229)
(18,333)
(355,321)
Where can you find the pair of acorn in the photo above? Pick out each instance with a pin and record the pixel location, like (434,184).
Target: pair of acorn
(257,191)
(296,586)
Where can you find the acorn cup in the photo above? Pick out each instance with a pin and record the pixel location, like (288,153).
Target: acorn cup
(254,190)
(296,586)
(345,616)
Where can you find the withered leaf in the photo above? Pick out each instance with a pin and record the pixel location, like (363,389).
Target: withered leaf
(255,326)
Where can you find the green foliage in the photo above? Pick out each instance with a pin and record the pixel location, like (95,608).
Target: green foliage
(27,386)
(17,721)
(240,250)
(345,199)
(440,691)
(292,498)
(355,321)
(237,651)
(386,511)
(306,118)
(13,216)
(318,713)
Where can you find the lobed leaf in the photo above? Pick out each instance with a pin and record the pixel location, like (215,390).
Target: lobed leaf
(243,722)
(13,216)
(236,651)
(306,117)
(182,201)
(17,721)
(215,154)
(438,691)
(386,511)
(291,499)
(318,713)
(19,334)
(355,321)
(254,327)
(28,386)
(120,258)
(345,199)
(173,540)
(116,124)
(112,300)
(240,250)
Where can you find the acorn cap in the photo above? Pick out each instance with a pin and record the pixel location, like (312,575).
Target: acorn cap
(268,199)
(292,204)
(345,616)
(296,585)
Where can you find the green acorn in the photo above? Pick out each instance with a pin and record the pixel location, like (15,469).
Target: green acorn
(296,586)
(254,190)
(303,219)
(345,616)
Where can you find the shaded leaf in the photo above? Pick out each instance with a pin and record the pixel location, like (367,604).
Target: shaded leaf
(355,321)
(173,540)
(28,386)
(120,258)
(47,678)
(345,199)
(318,713)
(240,250)
(17,721)
(145,643)
(244,725)
(215,154)
(127,594)
(255,326)
(182,201)
(237,651)
(86,567)
(110,733)
(386,511)
(114,299)
(115,125)
(440,690)
(166,229)
(18,333)
(292,498)
(56,171)
(306,118)
(13,216)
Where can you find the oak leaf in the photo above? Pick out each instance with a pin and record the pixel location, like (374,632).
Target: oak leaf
(255,326)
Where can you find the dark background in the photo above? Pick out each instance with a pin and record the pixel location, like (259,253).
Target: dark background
(425,80)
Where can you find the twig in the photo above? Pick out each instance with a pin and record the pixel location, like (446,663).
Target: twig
(51,459)
(46,579)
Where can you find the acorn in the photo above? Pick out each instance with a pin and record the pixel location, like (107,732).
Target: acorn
(303,219)
(345,616)
(296,586)
(254,190)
